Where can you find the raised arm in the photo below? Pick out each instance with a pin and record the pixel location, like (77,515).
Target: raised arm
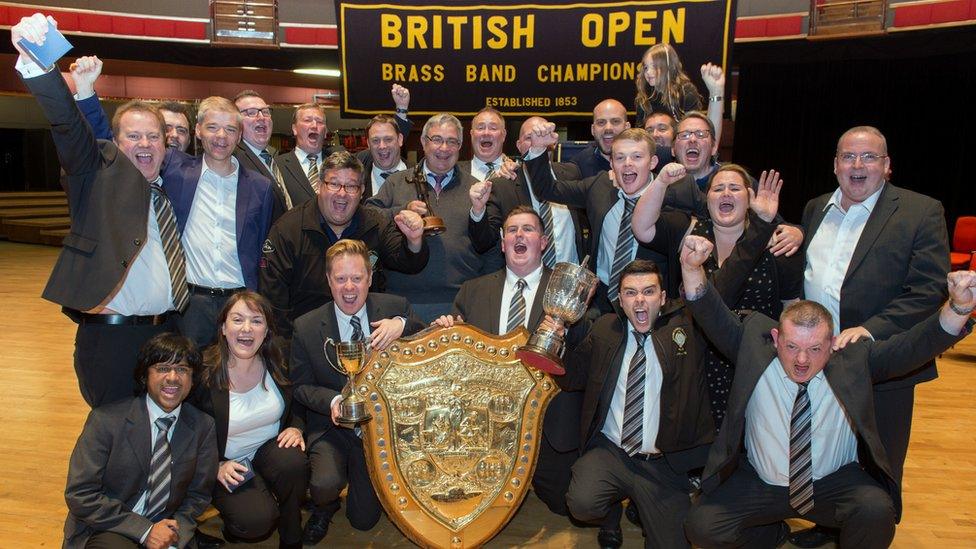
(714,78)
(648,208)
(538,167)
(721,326)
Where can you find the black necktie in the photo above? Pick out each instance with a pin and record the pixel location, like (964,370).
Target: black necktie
(159,471)
(801,462)
(632,430)
(172,248)
(384,175)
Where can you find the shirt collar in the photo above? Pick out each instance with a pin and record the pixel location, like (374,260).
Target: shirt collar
(448,179)
(820,377)
(868,204)
(398,168)
(531,280)
(303,156)
(233,174)
(155,412)
(343,318)
(257,151)
(475,161)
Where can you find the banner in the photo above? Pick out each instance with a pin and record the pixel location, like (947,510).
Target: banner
(554,59)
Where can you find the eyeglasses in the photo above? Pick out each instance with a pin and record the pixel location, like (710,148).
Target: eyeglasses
(166,369)
(700,134)
(438,141)
(254,112)
(350,189)
(867,158)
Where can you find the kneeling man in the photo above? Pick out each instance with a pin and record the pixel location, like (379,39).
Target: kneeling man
(335,453)
(801,410)
(144,467)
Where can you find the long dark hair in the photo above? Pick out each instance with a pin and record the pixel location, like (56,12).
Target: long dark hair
(215,357)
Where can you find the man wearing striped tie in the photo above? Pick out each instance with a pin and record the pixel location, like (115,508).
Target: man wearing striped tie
(800,408)
(121,272)
(646,421)
(143,468)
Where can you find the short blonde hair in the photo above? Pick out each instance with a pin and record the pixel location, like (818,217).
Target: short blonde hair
(217,103)
(346,246)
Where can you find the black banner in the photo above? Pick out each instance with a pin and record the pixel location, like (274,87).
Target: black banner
(556,59)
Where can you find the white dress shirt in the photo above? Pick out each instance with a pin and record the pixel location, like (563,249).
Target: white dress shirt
(831,249)
(210,236)
(653,377)
(479,169)
(563,230)
(767,433)
(376,174)
(345,323)
(532,281)
(608,238)
(254,418)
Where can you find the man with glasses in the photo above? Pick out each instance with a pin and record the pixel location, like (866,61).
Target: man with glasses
(695,147)
(293,268)
(877,258)
(254,152)
(453,259)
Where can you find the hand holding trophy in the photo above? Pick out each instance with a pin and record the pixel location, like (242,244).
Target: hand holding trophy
(351,357)
(567,294)
(433,224)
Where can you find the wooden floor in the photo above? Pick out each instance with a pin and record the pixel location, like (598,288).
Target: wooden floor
(41,414)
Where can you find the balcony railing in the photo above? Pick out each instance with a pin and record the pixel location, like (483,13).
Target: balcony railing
(244,23)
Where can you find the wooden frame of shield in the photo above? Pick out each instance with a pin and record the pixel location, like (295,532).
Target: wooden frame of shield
(457,421)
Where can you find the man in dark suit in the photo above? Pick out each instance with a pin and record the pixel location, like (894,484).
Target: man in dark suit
(223,213)
(494,199)
(144,467)
(335,453)
(300,167)
(609,120)
(293,272)
(253,151)
(112,276)
(877,257)
(384,136)
(487,141)
(504,300)
(645,421)
(800,409)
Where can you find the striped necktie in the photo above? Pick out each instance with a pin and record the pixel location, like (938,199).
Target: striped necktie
(516,310)
(357,329)
(313,171)
(801,462)
(624,249)
(549,254)
(276,174)
(489,170)
(159,471)
(170,237)
(632,431)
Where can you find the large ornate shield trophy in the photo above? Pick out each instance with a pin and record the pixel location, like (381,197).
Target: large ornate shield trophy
(457,420)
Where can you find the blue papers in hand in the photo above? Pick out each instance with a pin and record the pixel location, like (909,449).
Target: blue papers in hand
(47,54)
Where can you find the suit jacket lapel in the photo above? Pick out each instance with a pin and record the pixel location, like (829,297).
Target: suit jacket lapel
(535,314)
(494,306)
(180,443)
(883,210)
(244,193)
(290,162)
(138,434)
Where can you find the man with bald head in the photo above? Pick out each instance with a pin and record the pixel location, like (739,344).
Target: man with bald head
(609,119)
(492,200)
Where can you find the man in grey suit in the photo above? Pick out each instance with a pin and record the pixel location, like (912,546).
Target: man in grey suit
(877,257)
(335,454)
(144,468)
(800,409)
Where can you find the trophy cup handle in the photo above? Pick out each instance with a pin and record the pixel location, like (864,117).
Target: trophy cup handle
(329,342)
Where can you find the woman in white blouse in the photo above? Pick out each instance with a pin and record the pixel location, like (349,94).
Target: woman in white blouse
(245,388)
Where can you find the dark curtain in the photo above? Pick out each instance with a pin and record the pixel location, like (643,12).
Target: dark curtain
(796,98)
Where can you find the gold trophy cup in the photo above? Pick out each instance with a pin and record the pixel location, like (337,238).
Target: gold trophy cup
(351,357)
(567,294)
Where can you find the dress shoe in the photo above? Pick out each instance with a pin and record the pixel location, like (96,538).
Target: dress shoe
(317,527)
(630,512)
(206,541)
(812,538)
(784,532)
(610,538)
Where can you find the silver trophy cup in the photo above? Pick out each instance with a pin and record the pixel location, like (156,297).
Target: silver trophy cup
(565,301)
(351,356)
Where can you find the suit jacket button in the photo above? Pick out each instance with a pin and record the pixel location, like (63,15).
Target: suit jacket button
(125,264)
(137,242)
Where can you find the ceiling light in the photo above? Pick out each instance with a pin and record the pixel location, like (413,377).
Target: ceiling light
(319,72)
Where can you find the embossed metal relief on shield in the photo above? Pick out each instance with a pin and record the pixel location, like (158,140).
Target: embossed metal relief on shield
(455,432)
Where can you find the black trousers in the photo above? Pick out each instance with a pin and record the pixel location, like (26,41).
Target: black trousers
(111,540)
(604,475)
(336,459)
(553,472)
(105,359)
(199,320)
(274,495)
(745,511)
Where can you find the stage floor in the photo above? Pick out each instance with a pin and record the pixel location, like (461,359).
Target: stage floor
(41,414)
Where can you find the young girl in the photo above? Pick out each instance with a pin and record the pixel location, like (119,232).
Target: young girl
(663,86)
